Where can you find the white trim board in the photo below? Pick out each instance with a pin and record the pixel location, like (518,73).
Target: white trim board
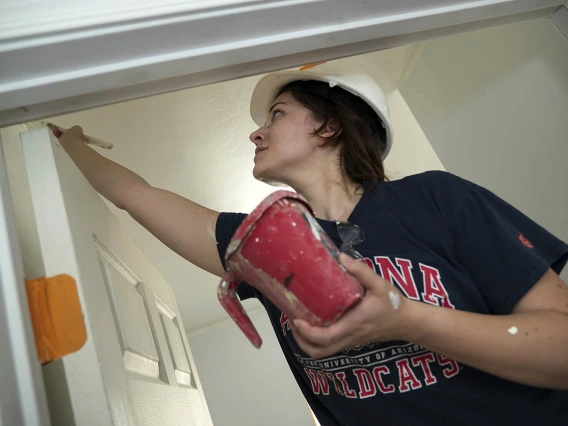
(560,20)
(58,66)
(22,394)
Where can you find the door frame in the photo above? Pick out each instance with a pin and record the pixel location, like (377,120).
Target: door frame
(141,48)
(22,393)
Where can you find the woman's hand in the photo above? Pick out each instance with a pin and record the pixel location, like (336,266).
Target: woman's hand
(74,134)
(379,317)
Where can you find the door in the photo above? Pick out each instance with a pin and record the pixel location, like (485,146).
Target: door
(136,366)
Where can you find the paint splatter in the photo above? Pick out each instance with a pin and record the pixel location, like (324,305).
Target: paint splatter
(394,299)
(288,280)
(210,230)
(513,330)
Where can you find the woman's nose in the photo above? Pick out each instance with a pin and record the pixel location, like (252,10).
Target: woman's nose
(257,136)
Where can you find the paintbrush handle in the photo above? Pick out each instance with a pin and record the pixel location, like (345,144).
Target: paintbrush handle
(98,142)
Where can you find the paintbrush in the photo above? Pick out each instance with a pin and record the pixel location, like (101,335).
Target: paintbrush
(90,140)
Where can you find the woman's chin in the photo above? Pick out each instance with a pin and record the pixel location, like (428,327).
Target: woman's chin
(257,174)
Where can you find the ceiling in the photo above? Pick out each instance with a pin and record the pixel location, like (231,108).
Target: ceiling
(195,143)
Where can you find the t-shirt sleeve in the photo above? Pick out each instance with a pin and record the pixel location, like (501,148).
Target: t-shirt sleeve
(227,224)
(504,251)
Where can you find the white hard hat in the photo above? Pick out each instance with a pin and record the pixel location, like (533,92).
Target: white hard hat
(350,79)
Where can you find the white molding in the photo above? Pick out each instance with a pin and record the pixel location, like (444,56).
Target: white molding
(59,68)
(164,309)
(560,20)
(48,16)
(104,252)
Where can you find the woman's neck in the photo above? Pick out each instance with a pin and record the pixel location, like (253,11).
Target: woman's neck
(333,199)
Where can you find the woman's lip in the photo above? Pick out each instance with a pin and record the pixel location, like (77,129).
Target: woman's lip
(259,150)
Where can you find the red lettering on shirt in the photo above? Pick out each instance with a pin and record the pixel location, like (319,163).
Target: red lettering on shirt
(331,377)
(366,385)
(391,273)
(377,374)
(424,361)
(349,393)
(434,290)
(525,241)
(318,381)
(369,263)
(452,367)
(285,323)
(406,376)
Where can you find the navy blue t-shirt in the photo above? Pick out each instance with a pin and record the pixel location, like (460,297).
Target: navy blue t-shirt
(445,241)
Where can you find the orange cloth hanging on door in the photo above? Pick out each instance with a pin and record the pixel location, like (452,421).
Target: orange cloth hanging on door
(56,315)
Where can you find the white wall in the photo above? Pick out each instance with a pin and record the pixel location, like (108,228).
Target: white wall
(494,105)
(245,386)
(249,387)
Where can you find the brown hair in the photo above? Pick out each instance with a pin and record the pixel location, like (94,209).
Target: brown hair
(360,150)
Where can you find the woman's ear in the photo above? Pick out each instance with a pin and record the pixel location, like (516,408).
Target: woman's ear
(329,133)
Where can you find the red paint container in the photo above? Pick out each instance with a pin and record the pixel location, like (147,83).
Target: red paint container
(281,250)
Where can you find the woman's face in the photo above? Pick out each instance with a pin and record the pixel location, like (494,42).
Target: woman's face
(285,146)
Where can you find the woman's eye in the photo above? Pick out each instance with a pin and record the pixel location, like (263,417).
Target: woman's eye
(276,112)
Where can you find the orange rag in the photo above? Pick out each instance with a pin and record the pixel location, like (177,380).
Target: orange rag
(56,315)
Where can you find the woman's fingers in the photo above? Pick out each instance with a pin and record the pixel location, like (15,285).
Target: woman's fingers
(365,275)
(315,350)
(56,132)
(75,132)
(322,336)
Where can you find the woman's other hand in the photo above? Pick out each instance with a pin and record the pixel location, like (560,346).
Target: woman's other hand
(379,317)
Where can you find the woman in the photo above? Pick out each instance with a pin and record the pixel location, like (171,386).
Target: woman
(464,320)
